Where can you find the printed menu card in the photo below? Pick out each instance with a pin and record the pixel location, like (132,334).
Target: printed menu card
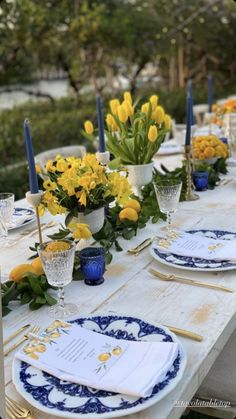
(198,246)
(73,353)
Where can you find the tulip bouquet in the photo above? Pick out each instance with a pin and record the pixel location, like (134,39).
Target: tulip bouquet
(134,132)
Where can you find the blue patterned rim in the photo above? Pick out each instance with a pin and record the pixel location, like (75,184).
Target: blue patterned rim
(197,263)
(97,402)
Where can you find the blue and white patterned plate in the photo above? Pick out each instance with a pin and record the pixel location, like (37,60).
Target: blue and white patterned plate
(64,399)
(196,264)
(21,217)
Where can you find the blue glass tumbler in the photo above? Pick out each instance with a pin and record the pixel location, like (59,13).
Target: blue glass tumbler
(200,180)
(92,264)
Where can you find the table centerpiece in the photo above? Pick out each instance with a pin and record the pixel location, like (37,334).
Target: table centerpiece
(134,134)
(81,188)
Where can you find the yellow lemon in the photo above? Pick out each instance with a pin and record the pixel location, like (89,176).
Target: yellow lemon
(57,246)
(20,271)
(37,265)
(133,203)
(128,214)
(104,357)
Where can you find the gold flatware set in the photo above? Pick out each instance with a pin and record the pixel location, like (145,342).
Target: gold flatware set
(33,330)
(136,250)
(16,411)
(174,278)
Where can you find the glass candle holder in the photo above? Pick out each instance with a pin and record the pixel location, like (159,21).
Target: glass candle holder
(92,264)
(200,180)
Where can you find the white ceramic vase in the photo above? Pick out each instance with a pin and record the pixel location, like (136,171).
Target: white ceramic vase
(139,175)
(94,219)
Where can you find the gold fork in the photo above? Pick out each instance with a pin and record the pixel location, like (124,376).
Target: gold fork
(136,250)
(16,411)
(32,331)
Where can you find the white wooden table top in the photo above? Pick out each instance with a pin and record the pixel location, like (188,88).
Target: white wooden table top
(130,289)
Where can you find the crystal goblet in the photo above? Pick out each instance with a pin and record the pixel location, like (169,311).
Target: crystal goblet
(6,213)
(168,194)
(57,258)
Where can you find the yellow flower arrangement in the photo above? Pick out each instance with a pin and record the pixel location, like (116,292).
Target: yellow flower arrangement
(75,185)
(219,110)
(135,132)
(207,147)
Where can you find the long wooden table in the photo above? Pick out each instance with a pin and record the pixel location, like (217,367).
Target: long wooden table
(130,289)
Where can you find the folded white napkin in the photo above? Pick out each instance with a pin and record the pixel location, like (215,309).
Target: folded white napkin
(79,355)
(198,246)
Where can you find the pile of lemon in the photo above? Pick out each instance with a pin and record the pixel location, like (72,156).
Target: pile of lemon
(207,147)
(130,211)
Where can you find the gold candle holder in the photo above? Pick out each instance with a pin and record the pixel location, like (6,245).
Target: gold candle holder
(34,200)
(190,194)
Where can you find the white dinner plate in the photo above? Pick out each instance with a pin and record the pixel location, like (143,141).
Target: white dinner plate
(196,264)
(65,399)
(21,217)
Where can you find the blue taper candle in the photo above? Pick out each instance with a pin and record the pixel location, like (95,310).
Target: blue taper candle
(102,147)
(210,91)
(33,179)
(188,122)
(190,92)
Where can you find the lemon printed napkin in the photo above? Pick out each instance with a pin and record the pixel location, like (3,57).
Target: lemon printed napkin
(79,355)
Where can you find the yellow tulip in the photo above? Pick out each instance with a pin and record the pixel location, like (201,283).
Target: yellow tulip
(111,123)
(88,127)
(159,115)
(145,107)
(128,97)
(152,133)
(122,114)
(128,107)
(114,103)
(154,99)
(167,121)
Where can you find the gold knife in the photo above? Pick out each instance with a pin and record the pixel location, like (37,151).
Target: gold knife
(15,334)
(174,278)
(185,333)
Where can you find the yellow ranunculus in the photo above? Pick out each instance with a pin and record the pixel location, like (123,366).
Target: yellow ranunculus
(159,115)
(80,231)
(128,97)
(128,107)
(114,103)
(152,133)
(122,114)
(88,127)
(49,185)
(145,107)
(154,99)
(167,121)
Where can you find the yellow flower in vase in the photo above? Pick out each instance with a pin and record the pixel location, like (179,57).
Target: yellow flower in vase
(145,107)
(128,107)
(128,97)
(122,114)
(49,185)
(152,133)
(88,127)
(154,99)
(159,115)
(167,121)
(61,165)
(114,103)
(80,230)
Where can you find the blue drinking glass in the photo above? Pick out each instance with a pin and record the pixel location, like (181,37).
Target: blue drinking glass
(92,264)
(200,180)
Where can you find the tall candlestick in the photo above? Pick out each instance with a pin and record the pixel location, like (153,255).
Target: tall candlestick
(33,179)
(210,91)
(188,122)
(100,125)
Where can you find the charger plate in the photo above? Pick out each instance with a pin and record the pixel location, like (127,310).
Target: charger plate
(196,264)
(64,399)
